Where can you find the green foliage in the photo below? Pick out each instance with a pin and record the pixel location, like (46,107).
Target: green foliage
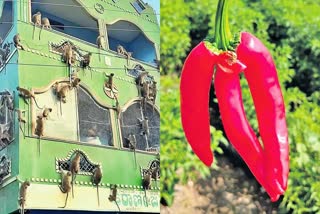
(178,163)
(290,30)
(174,38)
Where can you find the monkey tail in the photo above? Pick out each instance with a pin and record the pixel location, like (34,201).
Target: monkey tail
(117,205)
(39,144)
(145,195)
(34,28)
(135,157)
(60,107)
(98,195)
(73,178)
(99,55)
(40,32)
(65,203)
(24,136)
(35,101)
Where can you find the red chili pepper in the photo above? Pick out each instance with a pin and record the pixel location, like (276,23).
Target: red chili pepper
(198,69)
(270,163)
(262,78)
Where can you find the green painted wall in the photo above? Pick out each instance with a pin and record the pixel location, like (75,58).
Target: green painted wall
(38,68)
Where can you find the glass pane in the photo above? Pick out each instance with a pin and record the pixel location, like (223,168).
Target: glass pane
(131,123)
(94,121)
(6,18)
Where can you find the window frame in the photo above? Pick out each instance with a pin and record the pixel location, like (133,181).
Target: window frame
(58,139)
(139,3)
(155,46)
(12,15)
(7,120)
(126,106)
(63,34)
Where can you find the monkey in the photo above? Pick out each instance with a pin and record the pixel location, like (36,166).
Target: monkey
(139,67)
(109,83)
(68,55)
(145,126)
(122,51)
(7,100)
(65,186)
(39,129)
(17,41)
(36,19)
(145,93)
(85,63)
(62,95)
(140,80)
(21,119)
(92,132)
(4,134)
(45,23)
(101,44)
(146,182)
(26,94)
(133,145)
(23,195)
(86,60)
(153,93)
(117,108)
(62,91)
(46,112)
(75,82)
(75,168)
(155,173)
(40,126)
(113,195)
(96,179)
(2,57)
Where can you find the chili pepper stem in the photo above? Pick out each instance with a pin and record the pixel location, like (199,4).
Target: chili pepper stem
(222,39)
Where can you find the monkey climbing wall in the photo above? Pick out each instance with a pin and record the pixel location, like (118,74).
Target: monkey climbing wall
(78,92)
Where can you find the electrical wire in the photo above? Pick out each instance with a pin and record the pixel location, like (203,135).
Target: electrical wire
(63,66)
(93,28)
(79,6)
(97,53)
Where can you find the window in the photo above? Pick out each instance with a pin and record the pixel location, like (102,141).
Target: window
(131,124)
(6,18)
(62,121)
(138,6)
(77,23)
(131,37)
(6,119)
(94,121)
(79,119)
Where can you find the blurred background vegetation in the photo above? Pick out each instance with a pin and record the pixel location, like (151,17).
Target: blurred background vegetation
(291,31)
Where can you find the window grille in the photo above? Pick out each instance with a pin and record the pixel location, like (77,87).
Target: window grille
(86,165)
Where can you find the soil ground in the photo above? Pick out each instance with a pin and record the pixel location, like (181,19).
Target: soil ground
(230,189)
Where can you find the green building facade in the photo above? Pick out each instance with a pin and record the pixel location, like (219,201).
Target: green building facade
(95,71)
